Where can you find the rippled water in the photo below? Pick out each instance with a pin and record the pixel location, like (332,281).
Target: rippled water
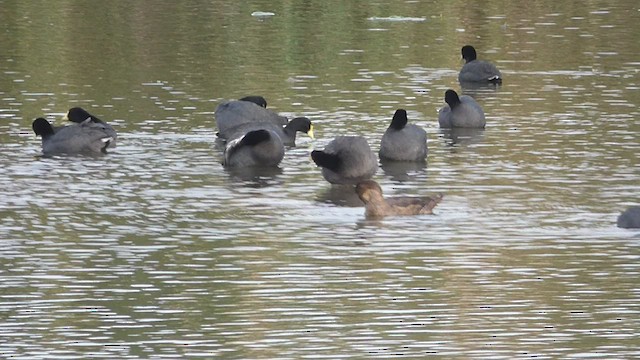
(156,251)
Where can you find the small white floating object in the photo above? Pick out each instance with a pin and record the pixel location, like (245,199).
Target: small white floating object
(396,18)
(262,13)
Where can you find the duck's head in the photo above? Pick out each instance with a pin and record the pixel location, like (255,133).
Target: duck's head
(368,189)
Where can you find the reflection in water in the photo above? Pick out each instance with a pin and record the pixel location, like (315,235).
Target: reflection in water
(481,91)
(474,88)
(254,176)
(156,251)
(402,170)
(462,136)
(340,195)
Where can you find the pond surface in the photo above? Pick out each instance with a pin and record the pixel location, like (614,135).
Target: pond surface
(155,251)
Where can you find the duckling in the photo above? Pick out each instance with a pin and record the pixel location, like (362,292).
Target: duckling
(475,71)
(402,141)
(346,160)
(376,206)
(630,218)
(79,115)
(260,148)
(230,114)
(460,112)
(86,137)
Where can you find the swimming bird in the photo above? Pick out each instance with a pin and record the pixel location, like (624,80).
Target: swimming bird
(474,70)
(630,218)
(83,138)
(402,141)
(460,112)
(232,113)
(259,148)
(376,206)
(79,115)
(346,160)
(287,133)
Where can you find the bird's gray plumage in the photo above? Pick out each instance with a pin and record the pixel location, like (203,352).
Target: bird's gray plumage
(84,138)
(346,160)
(460,112)
(477,71)
(236,112)
(256,148)
(402,141)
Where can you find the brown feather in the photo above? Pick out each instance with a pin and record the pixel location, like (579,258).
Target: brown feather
(376,206)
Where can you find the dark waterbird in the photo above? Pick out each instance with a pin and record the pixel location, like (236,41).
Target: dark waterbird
(630,218)
(460,112)
(230,114)
(346,160)
(83,138)
(79,115)
(287,133)
(477,71)
(257,148)
(403,141)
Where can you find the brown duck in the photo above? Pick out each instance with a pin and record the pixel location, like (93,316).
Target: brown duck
(376,206)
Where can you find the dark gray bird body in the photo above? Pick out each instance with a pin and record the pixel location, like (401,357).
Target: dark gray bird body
(84,138)
(236,112)
(460,112)
(402,141)
(256,148)
(477,71)
(346,160)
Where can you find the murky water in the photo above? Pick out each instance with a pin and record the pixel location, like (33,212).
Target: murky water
(156,251)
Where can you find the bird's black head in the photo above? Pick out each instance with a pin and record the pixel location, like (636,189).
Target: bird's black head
(399,120)
(256,99)
(468,53)
(42,127)
(451,98)
(301,124)
(78,115)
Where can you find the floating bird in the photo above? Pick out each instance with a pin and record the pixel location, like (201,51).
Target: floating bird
(477,71)
(630,218)
(346,160)
(86,137)
(402,141)
(259,148)
(376,206)
(287,133)
(232,113)
(79,115)
(460,112)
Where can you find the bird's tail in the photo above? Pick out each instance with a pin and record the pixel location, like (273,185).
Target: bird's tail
(428,207)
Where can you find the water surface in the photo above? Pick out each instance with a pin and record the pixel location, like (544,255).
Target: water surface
(156,251)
